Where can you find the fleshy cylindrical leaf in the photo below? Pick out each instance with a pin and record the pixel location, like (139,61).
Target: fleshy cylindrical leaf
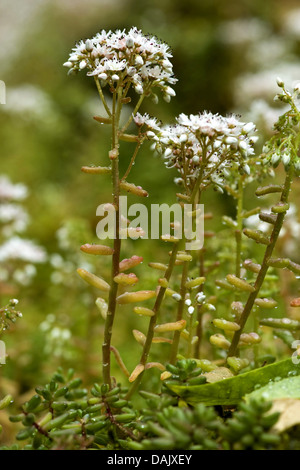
(130,263)
(93,280)
(92,249)
(138,296)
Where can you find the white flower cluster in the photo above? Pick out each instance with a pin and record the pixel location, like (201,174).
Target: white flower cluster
(206,142)
(13,217)
(126,58)
(17,248)
(11,191)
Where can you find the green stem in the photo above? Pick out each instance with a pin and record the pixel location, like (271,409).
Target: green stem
(102,96)
(183,290)
(264,266)
(153,320)
(238,232)
(141,99)
(106,351)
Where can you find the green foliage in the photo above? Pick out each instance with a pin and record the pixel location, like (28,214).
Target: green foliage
(232,390)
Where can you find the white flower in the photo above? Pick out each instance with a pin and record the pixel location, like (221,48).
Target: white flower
(20,249)
(134,57)
(10,191)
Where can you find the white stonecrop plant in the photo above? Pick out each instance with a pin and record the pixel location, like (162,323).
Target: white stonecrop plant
(127,58)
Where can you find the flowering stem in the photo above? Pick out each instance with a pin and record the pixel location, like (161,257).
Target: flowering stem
(106,347)
(264,266)
(133,113)
(102,96)
(238,232)
(138,146)
(183,289)
(153,319)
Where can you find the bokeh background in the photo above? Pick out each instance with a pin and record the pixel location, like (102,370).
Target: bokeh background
(226,57)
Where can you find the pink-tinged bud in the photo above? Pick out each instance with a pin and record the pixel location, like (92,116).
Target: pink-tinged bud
(93,280)
(139,296)
(129,263)
(295,302)
(139,337)
(126,279)
(132,188)
(173,326)
(132,232)
(137,371)
(96,170)
(113,154)
(97,249)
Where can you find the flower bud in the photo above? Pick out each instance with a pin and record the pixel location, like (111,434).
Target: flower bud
(279,82)
(113,154)
(129,42)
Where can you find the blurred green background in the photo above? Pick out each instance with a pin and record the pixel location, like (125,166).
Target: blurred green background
(226,57)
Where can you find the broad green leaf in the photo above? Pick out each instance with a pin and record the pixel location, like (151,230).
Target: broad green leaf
(233,389)
(285,388)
